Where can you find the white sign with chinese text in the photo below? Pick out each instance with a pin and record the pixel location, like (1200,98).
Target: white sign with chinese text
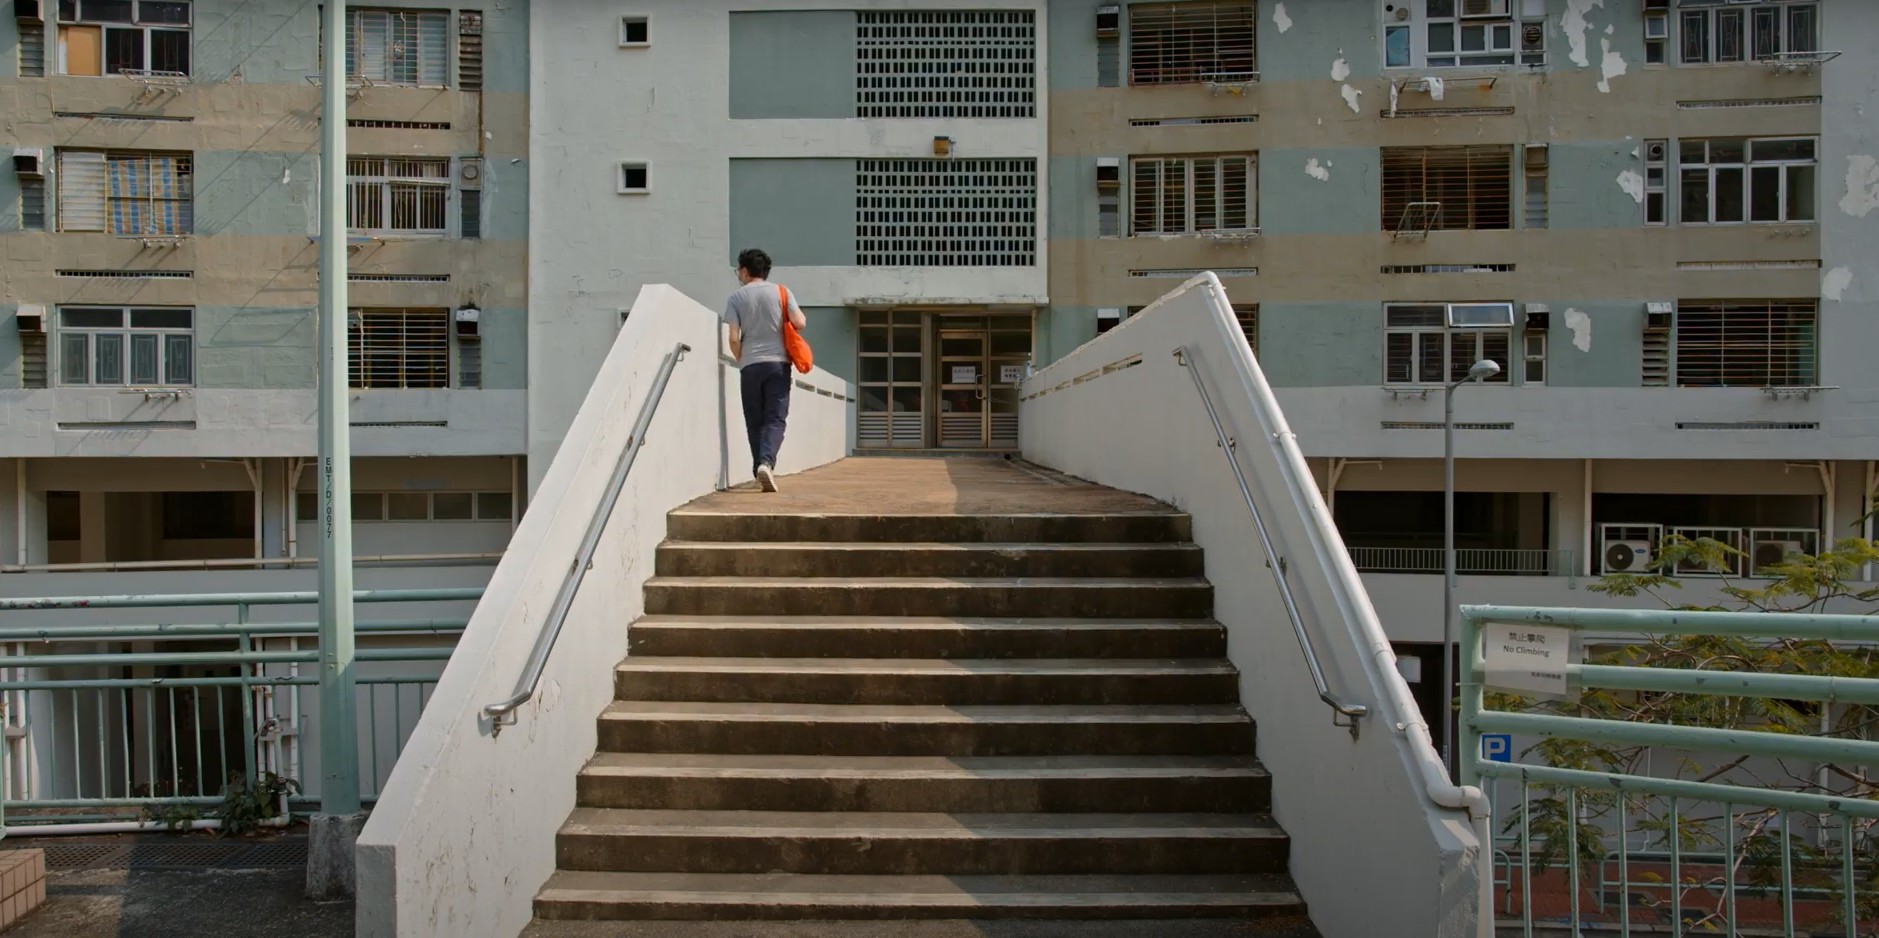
(1010,374)
(1529,660)
(965,374)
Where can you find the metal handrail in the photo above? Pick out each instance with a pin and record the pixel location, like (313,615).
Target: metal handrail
(503,713)
(1273,561)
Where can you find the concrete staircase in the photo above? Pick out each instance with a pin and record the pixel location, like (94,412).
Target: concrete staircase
(943,715)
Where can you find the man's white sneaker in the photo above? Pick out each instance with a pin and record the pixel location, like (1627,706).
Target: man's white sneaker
(766,477)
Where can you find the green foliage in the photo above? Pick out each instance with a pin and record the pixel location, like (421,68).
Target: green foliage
(245,808)
(1801,584)
(173,817)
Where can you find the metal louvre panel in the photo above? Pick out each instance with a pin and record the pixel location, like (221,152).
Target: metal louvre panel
(946,213)
(1190,194)
(82,180)
(1746,343)
(1174,43)
(1473,185)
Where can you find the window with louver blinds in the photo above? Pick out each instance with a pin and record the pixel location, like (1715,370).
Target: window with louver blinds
(130,195)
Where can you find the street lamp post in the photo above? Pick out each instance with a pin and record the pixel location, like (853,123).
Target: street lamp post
(1479,371)
(334,830)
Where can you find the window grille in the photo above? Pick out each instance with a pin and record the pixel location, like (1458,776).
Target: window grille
(32,203)
(1418,340)
(470,210)
(946,213)
(33,366)
(1473,185)
(1740,180)
(946,63)
(399,348)
(1187,43)
(1656,181)
(131,195)
(124,37)
(142,347)
(398,196)
(890,379)
(399,47)
(1740,32)
(469,50)
(1191,194)
(1746,344)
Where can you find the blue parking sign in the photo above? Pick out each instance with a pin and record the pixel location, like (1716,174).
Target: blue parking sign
(1497,747)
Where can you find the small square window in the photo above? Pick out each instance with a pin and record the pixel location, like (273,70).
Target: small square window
(493,506)
(451,506)
(408,506)
(633,178)
(635,31)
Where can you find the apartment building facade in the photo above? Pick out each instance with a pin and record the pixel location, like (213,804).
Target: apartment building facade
(160,245)
(1654,215)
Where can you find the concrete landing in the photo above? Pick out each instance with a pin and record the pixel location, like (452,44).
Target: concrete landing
(884,485)
(1183,928)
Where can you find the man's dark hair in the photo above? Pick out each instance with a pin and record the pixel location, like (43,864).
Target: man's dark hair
(755,263)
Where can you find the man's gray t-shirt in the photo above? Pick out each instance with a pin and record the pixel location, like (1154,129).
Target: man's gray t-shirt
(757,309)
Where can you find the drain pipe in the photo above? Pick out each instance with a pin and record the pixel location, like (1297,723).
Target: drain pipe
(125,827)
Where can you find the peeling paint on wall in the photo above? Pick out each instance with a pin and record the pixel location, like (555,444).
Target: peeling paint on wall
(1317,170)
(1833,285)
(1862,186)
(1581,326)
(1280,19)
(1633,184)
(1575,22)
(1350,97)
(1610,66)
(1340,69)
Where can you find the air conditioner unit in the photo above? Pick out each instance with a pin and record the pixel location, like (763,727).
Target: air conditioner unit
(1108,172)
(1108,21)
(1627,556)
(470,173)
(1728,537)
(1536,156)
(1768,553)
(28,11)
(30,318)
(1472,8)
(466,319)
(29,161)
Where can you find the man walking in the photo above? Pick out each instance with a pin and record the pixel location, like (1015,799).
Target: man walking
(755,314)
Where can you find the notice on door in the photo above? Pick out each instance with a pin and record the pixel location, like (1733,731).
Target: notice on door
(1529,660)
(965,374)
(1010,374)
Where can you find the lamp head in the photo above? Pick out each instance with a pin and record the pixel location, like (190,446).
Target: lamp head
(1483,369)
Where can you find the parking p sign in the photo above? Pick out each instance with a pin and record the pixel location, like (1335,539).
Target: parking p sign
(1497,747)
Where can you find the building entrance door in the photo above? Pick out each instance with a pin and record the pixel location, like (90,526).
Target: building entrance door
(981,361)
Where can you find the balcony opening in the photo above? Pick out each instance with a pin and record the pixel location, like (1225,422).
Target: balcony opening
(144,527)
(1630,530)
(1496,533)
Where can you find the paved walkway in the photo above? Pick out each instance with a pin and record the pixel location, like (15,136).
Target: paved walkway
(886,485)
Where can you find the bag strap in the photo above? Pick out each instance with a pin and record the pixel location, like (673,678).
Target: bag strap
(783,298)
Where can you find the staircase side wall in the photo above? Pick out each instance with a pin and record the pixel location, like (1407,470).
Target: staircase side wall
(463,834)
(1372,855)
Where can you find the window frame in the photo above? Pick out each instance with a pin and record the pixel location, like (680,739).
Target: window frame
(1477,336)
(386,185)
(1712,13)
(355,37)
(1167,72)
(1419,26)
(1190,167)
(1747,166)
(117,209)
(408,369)
(147,29)
(126,333)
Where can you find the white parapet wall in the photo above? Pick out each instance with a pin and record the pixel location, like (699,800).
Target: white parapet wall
(1372,851)
(463,833)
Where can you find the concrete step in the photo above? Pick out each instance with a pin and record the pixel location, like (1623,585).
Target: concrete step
(817,559)
(691,524)
(839,843)
(1176,598)
(778,896)
(933,637)
(929,681)
(838,730)
(1109,784)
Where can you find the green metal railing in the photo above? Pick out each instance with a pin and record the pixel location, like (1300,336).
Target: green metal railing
(116,722)
(1755,883)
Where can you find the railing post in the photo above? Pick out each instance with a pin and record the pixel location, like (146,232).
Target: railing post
(1468,747)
